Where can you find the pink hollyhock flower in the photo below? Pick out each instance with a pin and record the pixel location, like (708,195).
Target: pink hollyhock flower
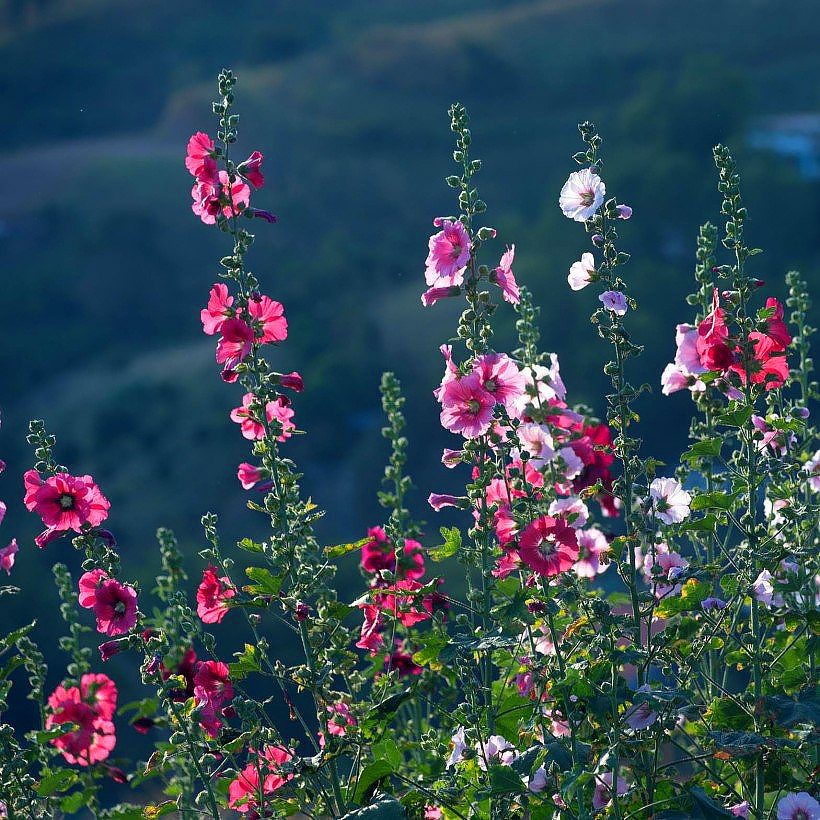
(212,596)
(763,588)
(505,278)
(776,328)
(459,741)
(673,379)
(546,383)
(200,162)
(340,718)
(800,806)
(439,500)
(64,502)
(450,370)
(509,561)
(449,252)
(812,467)
(101,693)
(243,792)
(467,408)
(499,375)
(548,546)
(538,782)
(582,195)
(235,342)
(433,813)
(662,568)
(110,648)
(270,316)
(293,381)
(496,750)
(114,604)
(763,367)
(640,715)
(603,790)
(670,502)
(452,458)
(567,506)
(88,584)
(249,476)
(433,295)
(615,301)
(778,441)
(371,637)
(7,556)
(740,809)
(213,691)
(218,309)
(378,554)
(582,273)
(686,352)
(254,429)
(624,211)
(592,544)
(251,169)
(400,599)
(535,439)
(211,196)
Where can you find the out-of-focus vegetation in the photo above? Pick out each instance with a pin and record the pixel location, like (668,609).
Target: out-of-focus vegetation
(105,268)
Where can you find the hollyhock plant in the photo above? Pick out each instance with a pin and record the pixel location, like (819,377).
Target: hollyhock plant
(582,195)
(212,596)
(449,252)
(244,791)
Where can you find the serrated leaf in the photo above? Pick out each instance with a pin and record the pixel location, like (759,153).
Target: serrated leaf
(338,550)
(246,662)
(265,582)
(504,780)
(692,593)
(250,546)
(431,644)
(451,545)
(735,418)
(56,782)
(714,501)
(705,448)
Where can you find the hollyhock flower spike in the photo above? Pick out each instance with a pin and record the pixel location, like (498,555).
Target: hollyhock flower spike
(583,193)
(582,273)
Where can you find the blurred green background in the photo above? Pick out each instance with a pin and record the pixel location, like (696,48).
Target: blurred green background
(105,268)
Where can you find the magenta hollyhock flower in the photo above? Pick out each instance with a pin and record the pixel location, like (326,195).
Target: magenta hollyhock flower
(467,408)
(251,169)
(211,196)
(592,544)
(505,278)
(615,301)
(582,273)
(212,596)
(7,556)
(582,195)
(218,310)
(500,377)
(800,806)
(235,342)
(252,429)
(549,546)
(340,718)
(243,792)
(400,599)
(433,295)
(378,554)
(371,637)
(64,502)
(213,691)
(249,476)
(114,604)
(449,252)
(200,162)
(293,381)
(270,316)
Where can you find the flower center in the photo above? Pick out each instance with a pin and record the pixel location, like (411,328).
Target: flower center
(66,501)
(473,405)
(587,198)
(456,251)
(119,608)
(490,385)
(547,547)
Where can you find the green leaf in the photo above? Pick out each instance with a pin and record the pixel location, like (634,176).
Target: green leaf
(692,593)
(56,782)
(706,448)
(369,778)
(9,640)
(387,708)
(706,524)
(714,501)
(266,583)
(505,780)
(451,545)
(338,550)
(388,750)
(724,713)
(431,644)
(72,803)
(250,546)
(388,808)
(789,713)
(150,812)
(735,418)
(247,662)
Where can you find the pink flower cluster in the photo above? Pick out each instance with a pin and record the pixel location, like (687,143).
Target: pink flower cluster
(243,792)
(113,603)
(90,707)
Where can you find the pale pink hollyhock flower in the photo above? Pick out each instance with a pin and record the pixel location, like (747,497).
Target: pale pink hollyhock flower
(450,370)
(812,467)
(218,309)
(536,440)
(673,379)
(624,211)
(670,502)
(603,789)
(764,588)
(543,643)
(661,570)
(459,742)
(467,408)
(582,273)
(253,428)
(248,475)
(778,441)
(433,295)
(7,556)
(269,317)
(538,782)
(251,169)
(549,546)
(582,195)
(568,506)
(199,161)
(432,813)
(452,458)
(505,278)
(640,715)
(499,375)
(686,353)
(546,382)
(740,809)
(591,544)
(800,806)
(772,511)
(573,463)
(496,750)
(449,252)
(615,301)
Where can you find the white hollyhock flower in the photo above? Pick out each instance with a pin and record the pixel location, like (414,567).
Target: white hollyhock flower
(670,502)
(582,195)
(582,273)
